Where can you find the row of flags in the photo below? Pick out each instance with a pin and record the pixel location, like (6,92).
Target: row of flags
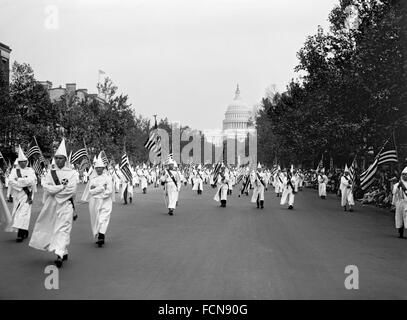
(154,143)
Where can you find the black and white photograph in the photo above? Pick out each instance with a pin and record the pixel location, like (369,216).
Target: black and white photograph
(216,151)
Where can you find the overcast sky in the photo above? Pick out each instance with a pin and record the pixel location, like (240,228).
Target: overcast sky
(176,58)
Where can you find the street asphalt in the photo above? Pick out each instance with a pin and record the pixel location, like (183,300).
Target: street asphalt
(208,252)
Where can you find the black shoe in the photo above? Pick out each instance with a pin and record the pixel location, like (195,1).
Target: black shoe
(20,235)
(25,235)
(101,239)
(65,257)
(58,262)
(170,212)
(351,210)
(290,207)
(131,200)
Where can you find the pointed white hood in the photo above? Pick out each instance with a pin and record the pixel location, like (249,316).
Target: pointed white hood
(21,155)
(61,151)
(99,163)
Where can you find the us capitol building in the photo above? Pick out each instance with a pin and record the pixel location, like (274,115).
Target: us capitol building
(238,116)
(238,124)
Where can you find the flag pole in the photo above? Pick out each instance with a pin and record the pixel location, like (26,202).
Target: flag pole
(42,156)
(395,148)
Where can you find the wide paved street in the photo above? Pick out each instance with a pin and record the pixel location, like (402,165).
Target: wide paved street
(207,252)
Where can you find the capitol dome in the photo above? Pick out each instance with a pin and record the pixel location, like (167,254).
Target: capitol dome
(238,113)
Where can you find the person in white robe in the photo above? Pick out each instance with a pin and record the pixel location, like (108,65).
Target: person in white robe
(172,184)
(400,202)
(52,230)
(126,188)
(322,183)
(5,215)
(232,182)
(278,182)
(223,187)
(143,180)
(100,196)
(197,180)
(346,188)
(85,176)
(259,187)
(23,184)
(6,181)
(288,195)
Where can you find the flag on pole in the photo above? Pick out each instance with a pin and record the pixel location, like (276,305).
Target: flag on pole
(105,160)
(246,184)
(1,157)
(84,163)
(125,168)
(216,172)
(33,149)
(383,157)
(37,167)
(153,143)
(388,156)
(79,154)
(352,170)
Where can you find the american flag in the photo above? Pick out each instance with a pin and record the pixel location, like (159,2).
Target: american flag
(352,170)
(216,172)
(78,155)
(35,149)
(105,160)
(388,156)
(153,143)
(246,184)
(37,167)
(124,166)
(84,163)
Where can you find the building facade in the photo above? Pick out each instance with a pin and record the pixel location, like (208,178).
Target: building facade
(238,114)
(5,65)
(56,94)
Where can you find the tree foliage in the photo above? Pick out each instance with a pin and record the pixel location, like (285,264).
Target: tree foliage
(110,124)
(352,94)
